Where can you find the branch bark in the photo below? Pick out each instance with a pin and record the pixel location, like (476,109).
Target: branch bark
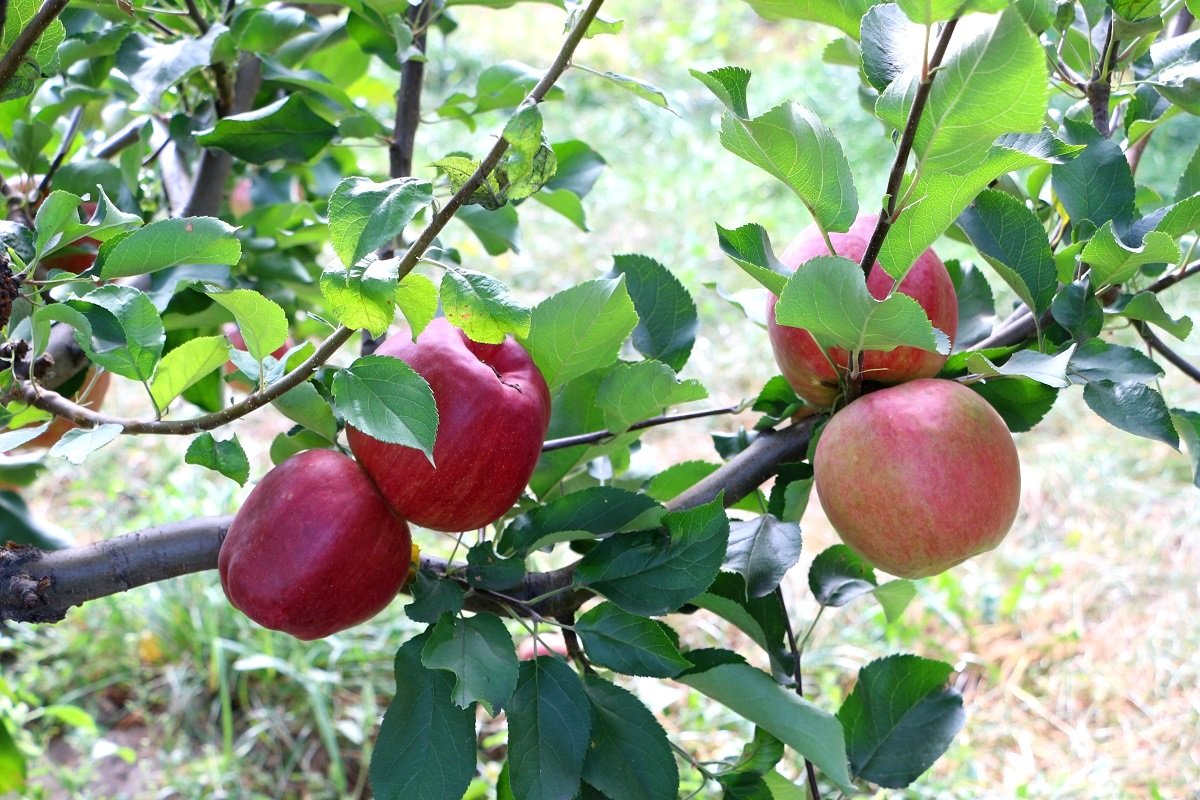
(1159,346)
(10,62)
(41,586)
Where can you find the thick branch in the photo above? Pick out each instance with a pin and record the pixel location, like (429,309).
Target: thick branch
(208,184)
(1159,346)
(408,103)
(10,62)
(40,586)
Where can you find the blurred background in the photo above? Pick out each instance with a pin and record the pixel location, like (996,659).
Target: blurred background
(1076,640)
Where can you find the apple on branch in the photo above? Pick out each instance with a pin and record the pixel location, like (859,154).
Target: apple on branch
(808,370)
(918,477)
(493,412)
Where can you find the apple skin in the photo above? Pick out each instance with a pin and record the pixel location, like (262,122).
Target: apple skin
(59,426)
(551,644)
(800,359)
(918,477)
(493,412)
(314,549)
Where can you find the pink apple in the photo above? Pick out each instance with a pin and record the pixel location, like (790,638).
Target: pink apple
(800,359)
(493,411)
(918,477)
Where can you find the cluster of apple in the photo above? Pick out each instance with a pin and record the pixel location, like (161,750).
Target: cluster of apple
(322,543)
(919,475)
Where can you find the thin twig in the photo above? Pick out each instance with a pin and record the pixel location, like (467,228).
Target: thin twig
(1174,278)
(667,419)
(68,137)
(11,61)
(1159,346)
(797,675)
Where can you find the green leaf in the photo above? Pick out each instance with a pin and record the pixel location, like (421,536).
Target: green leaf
(813,733)
(21,527)
(79,443)
(226,457)
(842,14)
(362,296)
(287,130)
(12,761)
(829,298)
(649,572)
(124,333)
(549,726)
(1013,241)
(1145,306)
(1078,311)
(639,88)
(479,652)
(1048,369)
(433,596)
(496,229)
(667,321)
(996,83)
(750,249)
(1133,407)
(585,514)
(628,755)
(839,575)
(792,144)
(261,322)
(580,329)
(384,398)
(1021,403)
(365,216)
(1097,360)
(976,305)
(417,299)
(305,406)
(459,170)
(579,166)
(486,570)
(506,84)
(894,597)
(899,719)
(890,44)
(1188,425)
(762,550)
(630,644)
(1112,261)
(154,66)
(169,243)
(426,744)
(636,391)
(482,307)
(184,366)
(1097,185)
(529,161)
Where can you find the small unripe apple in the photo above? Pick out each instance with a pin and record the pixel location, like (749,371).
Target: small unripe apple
(493,411)
(918,477)
(314,549)
(800,359)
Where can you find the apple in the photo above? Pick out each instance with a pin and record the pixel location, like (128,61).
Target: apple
(918,477)
(314,549)
(493,411)
(59,426)
(800,359)
(551,644)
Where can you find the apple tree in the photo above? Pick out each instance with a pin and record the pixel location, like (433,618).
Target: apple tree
(187,209)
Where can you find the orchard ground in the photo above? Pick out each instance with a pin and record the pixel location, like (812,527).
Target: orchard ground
(1076,640)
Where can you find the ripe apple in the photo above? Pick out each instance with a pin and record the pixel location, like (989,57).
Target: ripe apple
(800,359)
(918,477)
(314,549)
(59,426)
(493,411)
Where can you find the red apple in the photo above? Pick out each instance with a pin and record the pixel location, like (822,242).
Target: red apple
(800,359)
(493,411)
(314,549)
(918,477)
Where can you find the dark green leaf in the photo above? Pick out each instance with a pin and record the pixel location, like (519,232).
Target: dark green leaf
(1078,311)
(750,249)
(154,67)
(384,398)
(888,39)
(433,596)
(762,550)
(486,570)
(1145,306)
(1188,425)
(19,526)
(667,322)
(628,755)
(1133,407)
(578,167)
(1097,360)
(592,512)
(549,726)
(287,129)
(1096,185)
(838,575)
(505,85)
(630,644)
(899,719)
(496,230)
(1013,241)
(976,306)
(426,744)
(226,457)
(479,652)
(1021,402)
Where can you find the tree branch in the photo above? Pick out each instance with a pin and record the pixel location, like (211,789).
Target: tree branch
(208,184)
(10,62)
(408,103)
(1157,344)
(599,436)
(41,586)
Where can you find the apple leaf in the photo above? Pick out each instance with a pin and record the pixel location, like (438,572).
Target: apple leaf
(1013,241)
(899,719)
(287,130)
(497,230)
(630,644)
(1112,261)
(655,572)
(812,732)
(305,406)
(1097,360)
(844,14)
(762,550)
(667,321)
(1097,185)
(839,575)
(673,480)
(226,457)
(12,761)
(891,44)
(261,322)
(585,514)
(426,744)
(1145,306)
(433,596)
(580,329)
(628,755)
(506,84)
(479,652)
(417,299)
(117,326)
(169,243)
(154,66)
(529,161)
(184,366)
(1021,402)
(790,143)
(384,398)
(21,527)
(482,307)
(362,296)
(12,439)
(487,570)
(1048,369)
(79,443)
(828,296)
(549,724)
(1134,408)
(750,249)
(365,216)
(1188,425)
(894,596)
(636,391)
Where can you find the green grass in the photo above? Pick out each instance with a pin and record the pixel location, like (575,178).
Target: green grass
(1075,640)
